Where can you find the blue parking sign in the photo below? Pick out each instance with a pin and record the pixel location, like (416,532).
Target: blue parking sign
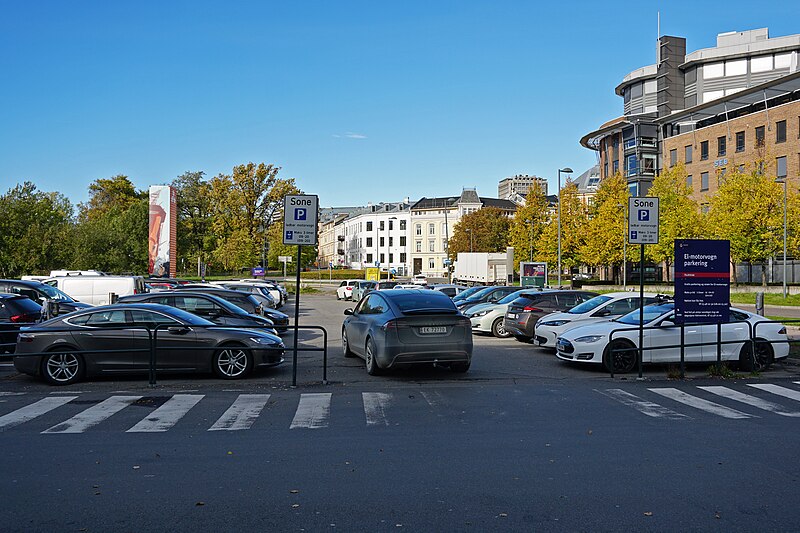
(300,213)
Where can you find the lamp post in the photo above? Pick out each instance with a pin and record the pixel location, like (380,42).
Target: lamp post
(566,170)
(530,240)
(469,230)
(784,180)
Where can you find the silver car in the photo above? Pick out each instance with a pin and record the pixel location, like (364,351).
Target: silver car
(489,317)
(405,327)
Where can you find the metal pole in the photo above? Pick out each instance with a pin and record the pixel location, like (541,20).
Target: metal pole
(784,238)
(641,309)
(719,348)
(625,254)
(683,351)
(559,228)
(296,315)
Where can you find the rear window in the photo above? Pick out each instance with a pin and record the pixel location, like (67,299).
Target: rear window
(23,305)
(588,305)
(420,300)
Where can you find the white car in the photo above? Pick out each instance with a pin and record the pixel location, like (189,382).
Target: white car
(488,317)
(598,309)
(345,289)
(592,343)
(419,279)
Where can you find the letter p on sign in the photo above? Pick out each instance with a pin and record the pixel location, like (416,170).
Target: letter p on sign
(300,213)
(644,215)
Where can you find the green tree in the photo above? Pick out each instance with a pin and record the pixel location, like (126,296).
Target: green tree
(485,230)
(679,215)
(605,230)
(574,217)
(108,193)
(195,217)
(527,226)
(748,211)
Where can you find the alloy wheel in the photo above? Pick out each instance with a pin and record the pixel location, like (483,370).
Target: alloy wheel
(232,362)
(63,367)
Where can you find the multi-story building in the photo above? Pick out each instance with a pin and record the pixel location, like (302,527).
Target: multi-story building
(509,188)
(377,235)
(331,237)
(685,93)
(587,184)
(432,223)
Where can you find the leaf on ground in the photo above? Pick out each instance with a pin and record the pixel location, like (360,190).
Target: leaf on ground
(648,513)
(136,467)
(295,505)
(294,491)
(503,515)
(199,504)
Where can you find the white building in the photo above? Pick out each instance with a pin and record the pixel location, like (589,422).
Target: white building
(377,235)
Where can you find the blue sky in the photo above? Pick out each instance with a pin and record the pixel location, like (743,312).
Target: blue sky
(358,101)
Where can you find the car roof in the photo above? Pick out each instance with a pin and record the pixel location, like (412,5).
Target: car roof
(7,296)
(26,282)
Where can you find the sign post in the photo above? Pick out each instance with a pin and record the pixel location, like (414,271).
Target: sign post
(299,227)
(284,259)
(642,229)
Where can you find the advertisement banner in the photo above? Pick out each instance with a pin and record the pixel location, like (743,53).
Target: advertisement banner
(533,274)
(702,280)
(162,238)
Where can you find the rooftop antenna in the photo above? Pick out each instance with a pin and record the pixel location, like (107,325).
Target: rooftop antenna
(658,37)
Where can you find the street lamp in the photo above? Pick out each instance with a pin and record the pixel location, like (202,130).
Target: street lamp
(784,180)
(566,170)
(469,230)
(530,241)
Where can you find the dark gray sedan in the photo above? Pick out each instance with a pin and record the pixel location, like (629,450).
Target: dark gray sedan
(115,339)
(401,327)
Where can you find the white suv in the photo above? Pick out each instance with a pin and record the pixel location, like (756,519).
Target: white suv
(345,289)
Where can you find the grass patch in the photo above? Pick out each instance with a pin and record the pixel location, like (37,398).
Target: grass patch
(304,289)
(769,298)
(724,372)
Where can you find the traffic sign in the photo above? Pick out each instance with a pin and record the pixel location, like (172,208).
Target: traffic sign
(300,219)
(643,220)
(285,258)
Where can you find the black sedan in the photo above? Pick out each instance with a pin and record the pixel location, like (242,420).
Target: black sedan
(39,292)
(401,327)
(252,303)
(115,339)
(15,312)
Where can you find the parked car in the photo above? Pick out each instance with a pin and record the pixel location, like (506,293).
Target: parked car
(39,292)
(592,343)
(384,285)
(487,295)
(204,305)
(345,289)
(489,317)
(419,279)
(68,343)
(361,288)
(390,329)
(16,311)
(408,286)
(252,303)
(529,307)
(448,288)
(271,283)
(466,293)
(95,290)
(598,309)
(251,288)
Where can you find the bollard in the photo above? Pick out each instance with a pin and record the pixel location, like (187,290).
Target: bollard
(760,303)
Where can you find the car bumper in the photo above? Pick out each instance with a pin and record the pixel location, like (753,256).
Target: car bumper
(515,328)
(413,354)
(545,338)
(481,324)
(263,357)
(28,364)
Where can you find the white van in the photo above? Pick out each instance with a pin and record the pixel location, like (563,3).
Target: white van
(60,273)
(95,290)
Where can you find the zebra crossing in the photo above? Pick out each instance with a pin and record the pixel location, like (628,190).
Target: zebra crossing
(708,400)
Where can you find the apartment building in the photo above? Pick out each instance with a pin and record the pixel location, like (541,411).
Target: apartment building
(519,185)
(377,235)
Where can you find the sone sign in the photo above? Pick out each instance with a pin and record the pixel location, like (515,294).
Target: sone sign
(643,220)
(300,219)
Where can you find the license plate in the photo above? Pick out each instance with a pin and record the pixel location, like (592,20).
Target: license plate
(429,330)
(512,315)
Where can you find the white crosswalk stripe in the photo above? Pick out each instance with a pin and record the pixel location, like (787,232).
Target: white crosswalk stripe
(777,389)
(93,415)
(643,406)
(313,411)
(375,404)
(168,414)
(34,410)
(755,401)
(242,413)
(700,403)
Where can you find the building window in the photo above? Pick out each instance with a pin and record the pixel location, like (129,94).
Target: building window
(605,169)
(391,224)
(740,141)
(704,209)
(382,241)
(673,157)
(760,136)
(631,166)
(402,257)
(614,166)
(418,246)
(391,258)
(431,229)
(704,181)
(444,229)
(648,164)
(369,226)
(369,258)
(431,263)
(780,131)
(780,167)
(380,225)
(721,145)
(704,150)
(444,244)
(402,225)
(381,259)
(369,242)
(402,241)
(418,229)
(431,245)
(391,241)
(689,181)
(687,154)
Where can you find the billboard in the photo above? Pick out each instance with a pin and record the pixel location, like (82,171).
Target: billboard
(533,274)
(702,280)
(162,238)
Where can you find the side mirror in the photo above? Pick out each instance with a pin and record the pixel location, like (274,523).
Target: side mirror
(667,324)
(348,311)
(603,312)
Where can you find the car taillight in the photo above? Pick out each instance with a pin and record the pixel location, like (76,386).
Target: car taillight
(25,317)
(531,309)
(390,325)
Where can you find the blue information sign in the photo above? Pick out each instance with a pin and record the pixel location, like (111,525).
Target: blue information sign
(702,280)
(257,271)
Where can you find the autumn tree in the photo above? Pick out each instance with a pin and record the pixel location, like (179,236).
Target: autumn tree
(604,240)
(485,230)
(574,217)
(109,193)
(195,216)
(527,225)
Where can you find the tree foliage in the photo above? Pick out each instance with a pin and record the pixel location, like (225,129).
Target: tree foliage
(106,194)
(485,230)
(574,217)
(527,226)
(195,217)
(605,229)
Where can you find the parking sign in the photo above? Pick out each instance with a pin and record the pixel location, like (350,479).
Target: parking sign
(300,219)
(643,220)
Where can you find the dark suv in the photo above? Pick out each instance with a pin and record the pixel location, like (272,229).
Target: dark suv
(39,292)
(523,312)
(487,295)
(15,311)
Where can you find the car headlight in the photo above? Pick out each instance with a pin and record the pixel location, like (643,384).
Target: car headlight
(479,313)
(266,340)
(554,323)
(590,338)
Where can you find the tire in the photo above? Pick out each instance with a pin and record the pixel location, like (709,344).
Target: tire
(369,359)
(624,362)
(232,361)
(346,345)
(522,338)
(763,359)
(62,367)
(460,368)
(498,330)
(337,295)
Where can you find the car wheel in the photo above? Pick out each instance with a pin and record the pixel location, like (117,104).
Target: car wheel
(498,330)
(346,345)
(232,362)
(369,356)
(764,356)
(522,338)
(460,368)
(62,367)
(337,296)
(624,362)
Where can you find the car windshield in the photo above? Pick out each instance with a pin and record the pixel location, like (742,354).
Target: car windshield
(55,294)
(651,312)
(480,294)
(589,305)
(510,298)
(424,300)
(466,293)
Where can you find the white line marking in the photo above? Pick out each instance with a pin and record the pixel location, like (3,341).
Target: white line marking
(242,413)
(776,389)
(11,393)
(755,401)
(375,404)
(434,398)
(93,415)
(643,406)
(699,403)
(313,411)
(29,412)
(168,414)
(68,392)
